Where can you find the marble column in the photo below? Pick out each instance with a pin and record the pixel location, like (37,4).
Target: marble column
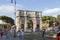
(25,24)
(40,15)
(18,20)
(34,21)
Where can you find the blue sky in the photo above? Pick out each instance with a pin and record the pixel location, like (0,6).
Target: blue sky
(48,7)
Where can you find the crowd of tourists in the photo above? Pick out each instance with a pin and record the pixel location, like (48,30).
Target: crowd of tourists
(57,31)
(20,33)
(7,34)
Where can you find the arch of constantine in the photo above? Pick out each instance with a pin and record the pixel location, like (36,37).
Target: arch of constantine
(23,15)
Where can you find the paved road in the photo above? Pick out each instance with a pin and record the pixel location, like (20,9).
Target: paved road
(29,36)
(12,38)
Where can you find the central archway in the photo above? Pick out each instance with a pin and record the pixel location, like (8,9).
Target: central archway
(30,24)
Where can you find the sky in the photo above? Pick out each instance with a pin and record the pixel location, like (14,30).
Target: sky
(48,7)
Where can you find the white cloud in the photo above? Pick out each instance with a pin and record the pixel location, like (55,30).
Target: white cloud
(54,10)
(9,8)
(6,8)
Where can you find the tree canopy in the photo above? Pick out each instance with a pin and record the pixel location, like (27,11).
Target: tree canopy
(7,20)
(58,18)
(49,20)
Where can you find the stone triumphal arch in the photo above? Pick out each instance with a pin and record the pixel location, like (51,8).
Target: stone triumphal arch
(23,15)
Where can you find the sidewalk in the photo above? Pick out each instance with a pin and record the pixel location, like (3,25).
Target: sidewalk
(54,36)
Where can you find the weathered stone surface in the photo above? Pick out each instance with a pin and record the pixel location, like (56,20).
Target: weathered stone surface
(21,18)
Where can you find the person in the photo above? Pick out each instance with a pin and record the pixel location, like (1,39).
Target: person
(7,33)
(1,33)
(58,33)
(21,34)
(18,33)
(43,34)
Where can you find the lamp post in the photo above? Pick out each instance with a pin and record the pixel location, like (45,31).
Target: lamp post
(14,2)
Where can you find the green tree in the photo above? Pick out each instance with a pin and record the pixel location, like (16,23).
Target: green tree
(49,20)
(58,19)
(8,20)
